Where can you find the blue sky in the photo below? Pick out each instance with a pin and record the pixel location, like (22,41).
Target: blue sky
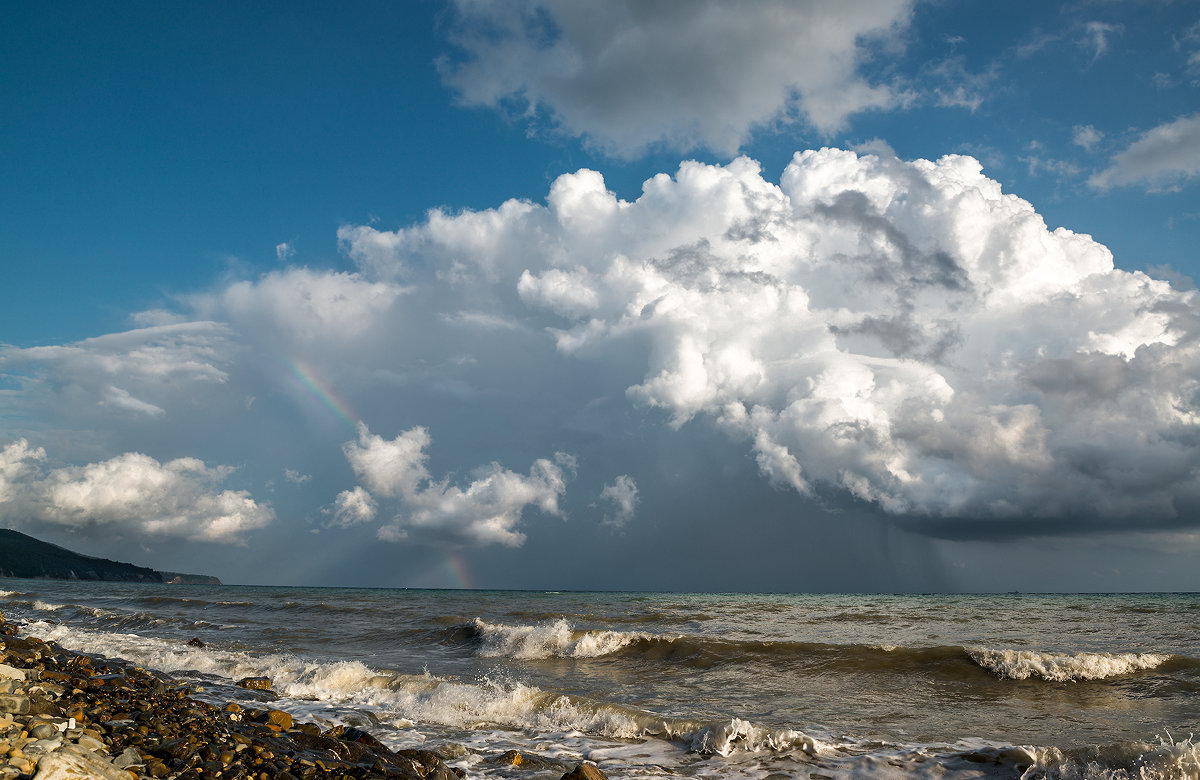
(568,295)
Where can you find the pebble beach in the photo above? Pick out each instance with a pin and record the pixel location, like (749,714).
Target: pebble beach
(67,715)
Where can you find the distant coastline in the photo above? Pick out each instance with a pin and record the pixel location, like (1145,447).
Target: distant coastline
(23,556)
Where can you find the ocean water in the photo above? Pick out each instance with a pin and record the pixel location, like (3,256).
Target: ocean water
(684,685)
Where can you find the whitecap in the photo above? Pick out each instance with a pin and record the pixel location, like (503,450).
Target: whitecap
(1062,667)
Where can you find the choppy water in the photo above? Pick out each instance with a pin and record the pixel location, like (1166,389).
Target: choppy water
(698,685)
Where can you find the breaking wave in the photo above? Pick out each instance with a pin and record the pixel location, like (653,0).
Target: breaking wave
(558,639)
(1063,667)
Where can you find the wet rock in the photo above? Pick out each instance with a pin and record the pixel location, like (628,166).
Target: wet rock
(255,683)
(585,771)
(280,719)
(428,765)
(195,642)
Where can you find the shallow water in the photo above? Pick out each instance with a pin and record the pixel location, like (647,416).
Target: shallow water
(719,685)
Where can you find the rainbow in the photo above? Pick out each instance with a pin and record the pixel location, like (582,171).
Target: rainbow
(311,382)
(459,573)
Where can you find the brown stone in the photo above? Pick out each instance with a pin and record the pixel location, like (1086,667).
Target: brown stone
(280,719)
(255,683)
(583,771)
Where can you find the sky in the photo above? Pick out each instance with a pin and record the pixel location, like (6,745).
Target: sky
(885,295)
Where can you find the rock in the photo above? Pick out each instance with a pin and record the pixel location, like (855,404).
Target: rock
(66,766)
(280,719)
(43,731)
(13,703)
(255,683)
(128,758)
(195,642)
(512,758)
(584,771)
(11,672)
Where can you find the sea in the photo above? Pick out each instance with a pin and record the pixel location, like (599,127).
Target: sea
(681,685)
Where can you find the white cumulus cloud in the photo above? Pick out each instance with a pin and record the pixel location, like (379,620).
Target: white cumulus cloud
(301,305)
(486,511)
(903,333)
(354,507)
(628,75)
(622,494)
(131,493)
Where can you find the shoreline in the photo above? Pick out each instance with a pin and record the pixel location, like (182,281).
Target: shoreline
(67,715)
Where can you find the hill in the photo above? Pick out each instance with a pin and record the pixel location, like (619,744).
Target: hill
(23,556)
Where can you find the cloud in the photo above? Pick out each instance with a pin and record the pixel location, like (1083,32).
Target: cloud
(140,373)
(390,469)
(952,85)
(1086,136)
(299,305)
(283,251)
(130,494)
(1096,37)
(903,334)
(295,477)
(487,511)
(1163,157)
(627,76)
(353,507)
(623,495)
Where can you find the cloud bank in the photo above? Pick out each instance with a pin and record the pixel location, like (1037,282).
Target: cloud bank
(131,494)
(901,332)
(627,75)
(900,335)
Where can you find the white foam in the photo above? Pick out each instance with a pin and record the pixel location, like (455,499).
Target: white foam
(1168,760)
(554,639)
(725,738)
(427,699)
(46,606)
(1062,667)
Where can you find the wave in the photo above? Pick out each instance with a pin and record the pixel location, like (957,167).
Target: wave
(550,640)
(1063,667)
(1169,759)
(403,701)
(558,639)
(490,702)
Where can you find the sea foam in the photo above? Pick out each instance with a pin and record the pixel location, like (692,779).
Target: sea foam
(553,639)
(1062,667)
(1170,759)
